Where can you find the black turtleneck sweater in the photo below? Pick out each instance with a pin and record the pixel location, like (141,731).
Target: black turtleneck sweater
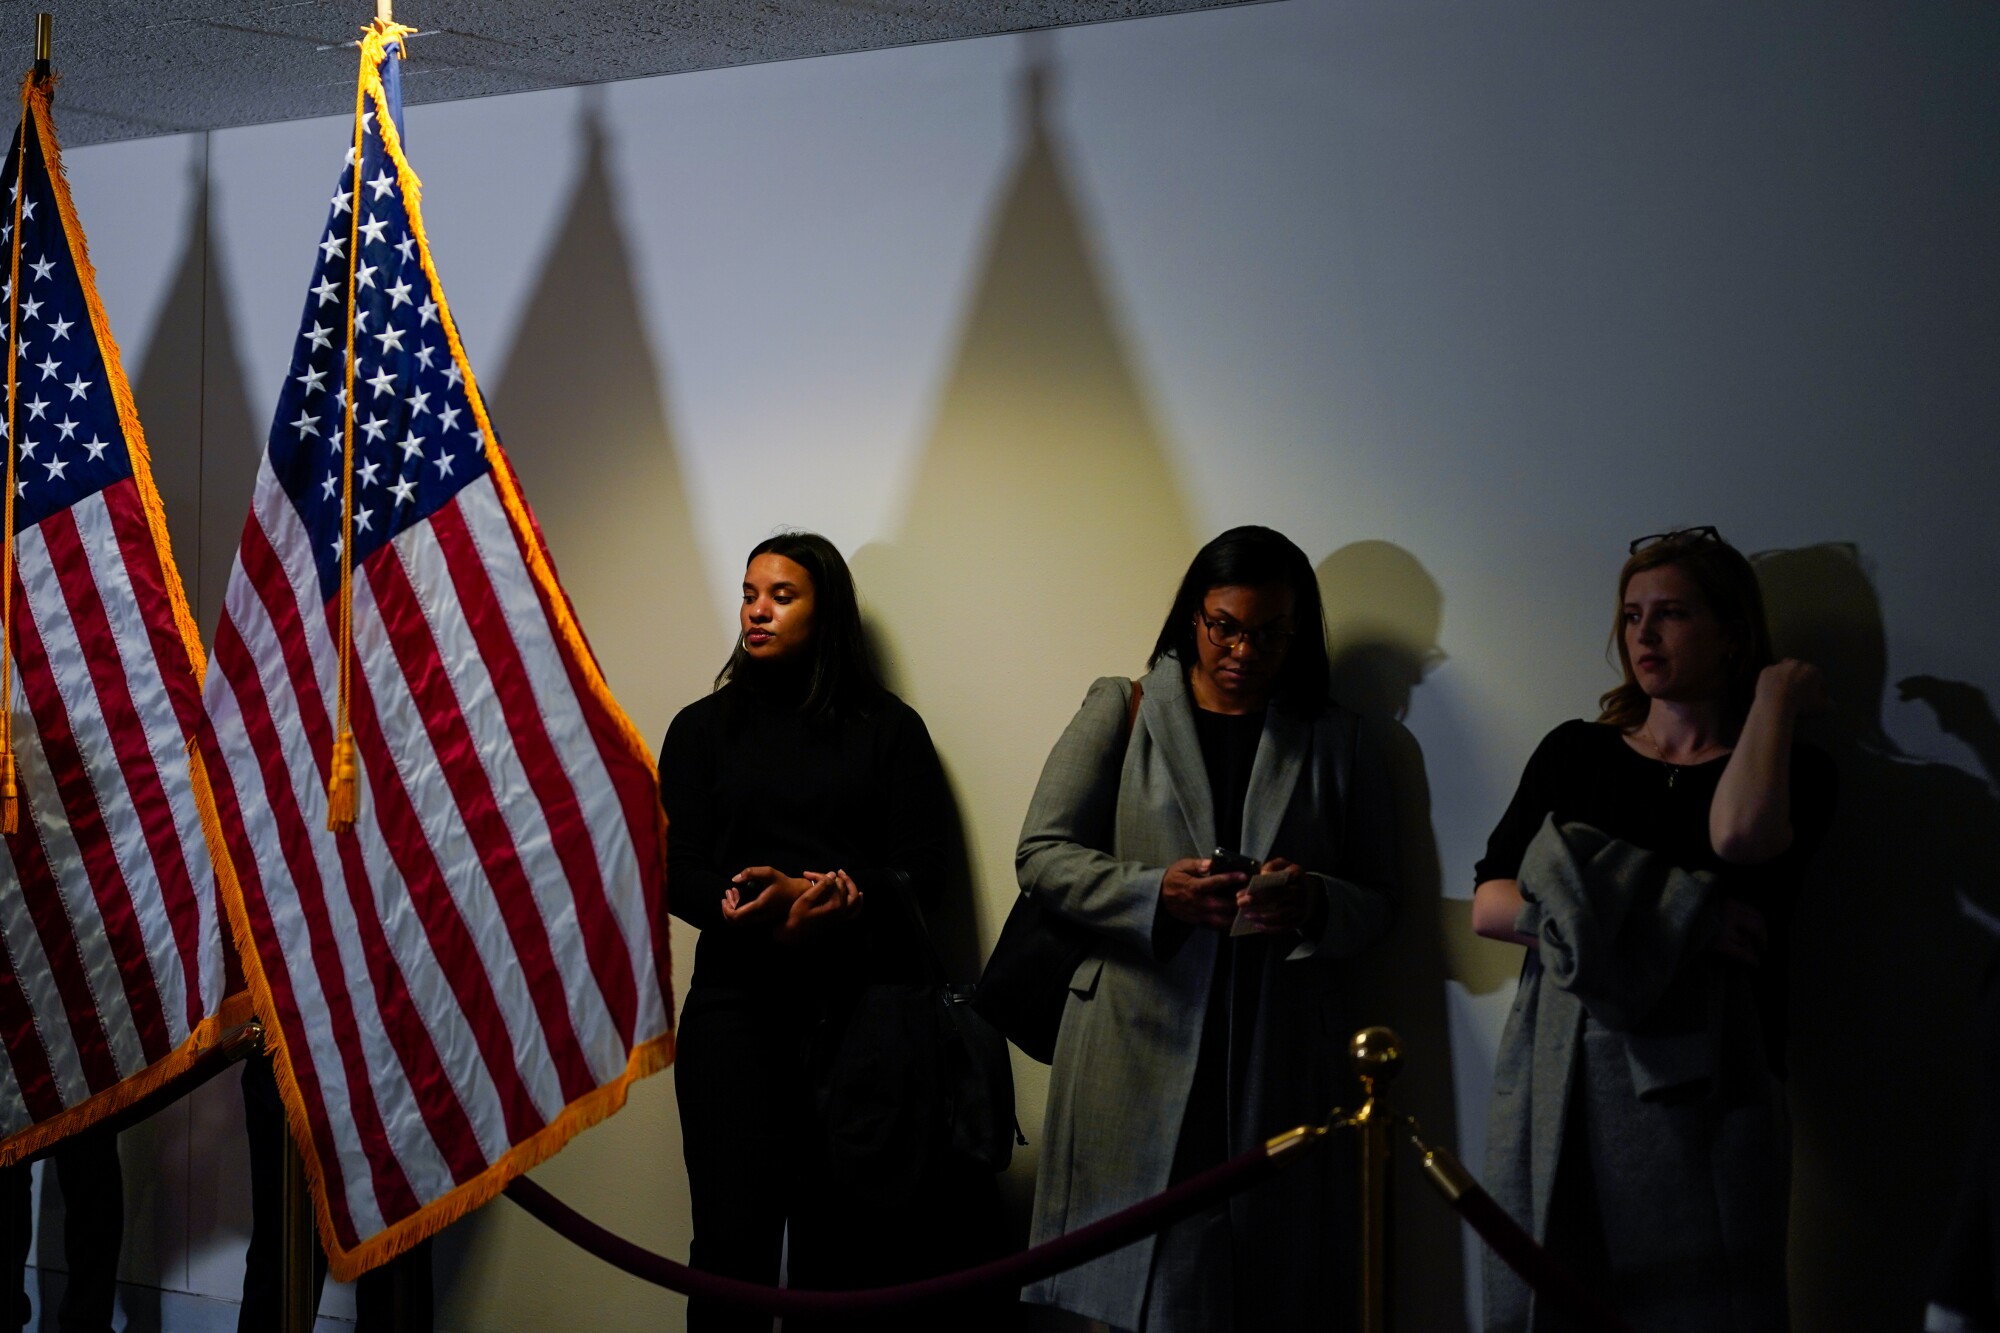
(750,780)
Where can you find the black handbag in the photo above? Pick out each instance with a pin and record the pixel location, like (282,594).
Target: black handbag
(1025,985)
(915,1089)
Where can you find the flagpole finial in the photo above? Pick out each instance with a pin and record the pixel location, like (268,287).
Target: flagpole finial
(45,40)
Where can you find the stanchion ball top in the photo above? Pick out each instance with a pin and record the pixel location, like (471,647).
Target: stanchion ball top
(1377,1054)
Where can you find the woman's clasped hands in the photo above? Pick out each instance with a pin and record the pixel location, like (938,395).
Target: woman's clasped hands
(792,907)
(1277,898)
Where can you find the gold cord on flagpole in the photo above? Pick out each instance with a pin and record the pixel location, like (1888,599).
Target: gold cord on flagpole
(343,797)
(343,787)
(10,792)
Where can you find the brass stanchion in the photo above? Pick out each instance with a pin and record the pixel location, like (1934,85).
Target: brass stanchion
(1377,1054)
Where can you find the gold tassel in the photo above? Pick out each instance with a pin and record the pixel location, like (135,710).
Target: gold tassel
(10,795)
(342,795)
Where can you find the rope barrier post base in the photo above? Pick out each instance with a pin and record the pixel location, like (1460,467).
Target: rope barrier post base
(299,1305)
(1377,1056)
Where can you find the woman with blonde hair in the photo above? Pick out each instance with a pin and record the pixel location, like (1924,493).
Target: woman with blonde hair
(1650,863)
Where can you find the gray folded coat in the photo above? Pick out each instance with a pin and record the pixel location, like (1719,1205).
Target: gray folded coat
(1634,1046)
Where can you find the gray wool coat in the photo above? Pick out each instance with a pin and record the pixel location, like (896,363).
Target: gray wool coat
(1633,1057)
(1109,815)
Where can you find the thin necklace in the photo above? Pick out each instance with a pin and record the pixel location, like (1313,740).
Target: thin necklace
(1661,755)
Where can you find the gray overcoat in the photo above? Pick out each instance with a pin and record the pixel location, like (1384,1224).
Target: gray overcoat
(1109,815)
(1633,1056)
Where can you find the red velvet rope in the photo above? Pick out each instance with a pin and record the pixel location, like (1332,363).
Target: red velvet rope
(1551,1281)
(1014,1270)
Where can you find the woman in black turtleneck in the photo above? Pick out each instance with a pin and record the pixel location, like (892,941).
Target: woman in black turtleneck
(795,794)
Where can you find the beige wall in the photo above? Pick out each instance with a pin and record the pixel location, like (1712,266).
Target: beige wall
(1461,299)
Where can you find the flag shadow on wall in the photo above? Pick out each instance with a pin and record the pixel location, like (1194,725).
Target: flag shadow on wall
(581,405)
(1041,541)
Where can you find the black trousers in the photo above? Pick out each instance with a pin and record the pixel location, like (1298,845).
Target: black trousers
(751,1140)
(404,1280)
(93,1190)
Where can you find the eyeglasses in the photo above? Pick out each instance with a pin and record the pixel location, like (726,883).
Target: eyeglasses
(1226,634)
(1684,536)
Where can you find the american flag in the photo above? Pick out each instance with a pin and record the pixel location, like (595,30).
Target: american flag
(114,971)
(478,969)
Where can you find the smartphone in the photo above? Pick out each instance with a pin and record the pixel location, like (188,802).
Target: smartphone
(1225,862)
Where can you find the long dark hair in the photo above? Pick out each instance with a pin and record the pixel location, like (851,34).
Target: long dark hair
(839,676)
(1729,585)
(1255,557)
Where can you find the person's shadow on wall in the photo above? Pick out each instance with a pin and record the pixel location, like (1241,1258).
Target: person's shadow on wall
(1886,965)
(1384,616)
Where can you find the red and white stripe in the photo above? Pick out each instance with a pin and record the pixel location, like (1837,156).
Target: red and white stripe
(485,948)
(108,912)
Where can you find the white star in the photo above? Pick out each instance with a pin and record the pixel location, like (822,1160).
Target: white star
(365,276)
(7,232)
(407,248)
(336,548)
(428,310)
(326,487)
(311,379)
(28,448)
(382,382)
(30,308)
(424,355)
(453,375)
(348,161)
(343,201)
(361,321)
(28,210)
(48,368)
(306,424)
(36,406)
(62,327)
(43,267)
(367,122)
(419,403)
(318,336)
(21,486)
(78,386)
(399,295)
(411,446)
(373,228)
(382,184)
(23,353)
(443,464)
(97,448)
(67,427)
(333,247)
(367,472)
(374,426)
(7,287)
(448,419)
(340,397)
(391,339)
(326,290)
(404,490)
(362,518)
(55,467)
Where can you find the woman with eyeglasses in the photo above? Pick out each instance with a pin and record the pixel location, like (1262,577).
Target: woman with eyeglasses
(1649,863)
(1222,831)
(800,795)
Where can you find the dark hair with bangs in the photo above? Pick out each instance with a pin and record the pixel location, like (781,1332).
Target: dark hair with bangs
(839,678)
(1256,557)
(1729,586)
